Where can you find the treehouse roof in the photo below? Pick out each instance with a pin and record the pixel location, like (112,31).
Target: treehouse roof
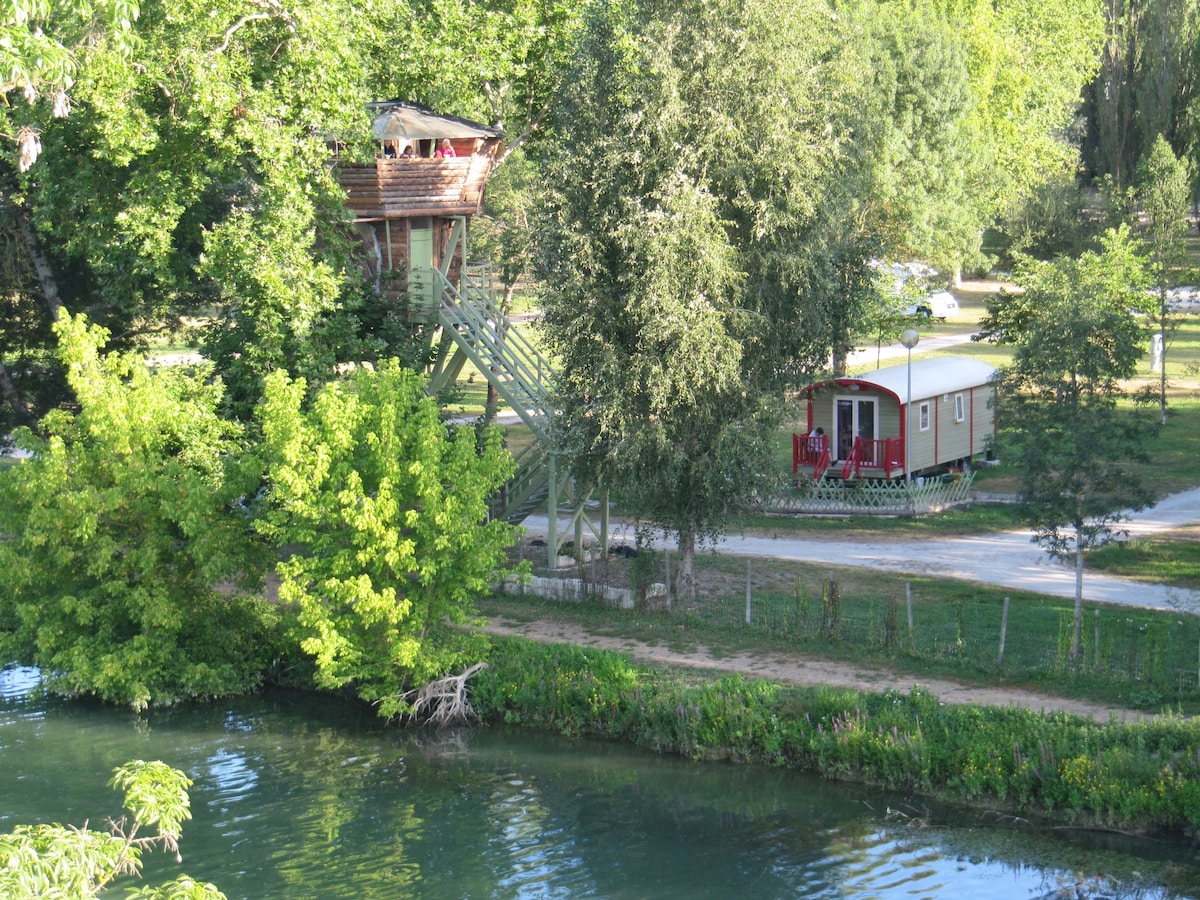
(402,120)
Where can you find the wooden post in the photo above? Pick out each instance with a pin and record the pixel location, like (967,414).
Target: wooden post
(604,512)
(1096,644)
(747,590)
(579,552)
(552,504)
(1003,632)
(908,603)
(667,554)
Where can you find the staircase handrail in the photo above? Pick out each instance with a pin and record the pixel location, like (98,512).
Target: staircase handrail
(525,366)
(527,487)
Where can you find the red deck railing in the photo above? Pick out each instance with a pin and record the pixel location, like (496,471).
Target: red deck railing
(885,455)
(810,450)
(876,457)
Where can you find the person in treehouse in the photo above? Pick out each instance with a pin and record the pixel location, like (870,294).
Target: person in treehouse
(445,150)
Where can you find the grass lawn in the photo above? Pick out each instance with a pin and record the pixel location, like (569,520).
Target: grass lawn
(1169,558)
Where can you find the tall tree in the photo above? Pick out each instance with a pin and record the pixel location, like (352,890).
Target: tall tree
(1146,86)
(1029,63)
(1075,338)
(40,62)
(192,180)
(499,60)
(1162,197)
(671,246)
(918,135)
(42,42)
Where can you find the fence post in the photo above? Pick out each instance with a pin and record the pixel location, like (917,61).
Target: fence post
(908,603)
(1096,644)
(1003,632)
(747,590)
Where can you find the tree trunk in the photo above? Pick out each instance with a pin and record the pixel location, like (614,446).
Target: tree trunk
(1162,371)
(491,405)
(685,577)
(13,397)
(41,265)
(1077,629)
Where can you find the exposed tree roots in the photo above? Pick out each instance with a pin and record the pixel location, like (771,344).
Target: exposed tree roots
(444,702)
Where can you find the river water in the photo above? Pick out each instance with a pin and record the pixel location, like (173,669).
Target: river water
(298,796)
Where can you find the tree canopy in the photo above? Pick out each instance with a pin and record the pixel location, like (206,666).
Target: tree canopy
(1076,337)
(672,252)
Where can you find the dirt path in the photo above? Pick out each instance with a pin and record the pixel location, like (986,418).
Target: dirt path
(802,670)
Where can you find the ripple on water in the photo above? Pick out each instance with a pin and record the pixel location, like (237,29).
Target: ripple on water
(17,683)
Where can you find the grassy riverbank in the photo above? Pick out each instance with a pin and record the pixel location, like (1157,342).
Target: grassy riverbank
(1132,658)
(1143,776)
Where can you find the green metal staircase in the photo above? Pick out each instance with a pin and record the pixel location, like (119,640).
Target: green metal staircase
(474,327)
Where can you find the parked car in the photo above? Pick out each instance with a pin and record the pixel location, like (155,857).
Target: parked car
(938,305)
(910,279)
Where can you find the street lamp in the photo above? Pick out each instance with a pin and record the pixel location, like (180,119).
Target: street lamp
(909,339)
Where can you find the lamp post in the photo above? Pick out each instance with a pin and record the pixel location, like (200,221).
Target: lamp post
(909,339)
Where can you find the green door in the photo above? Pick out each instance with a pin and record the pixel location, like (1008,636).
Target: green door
(420,259)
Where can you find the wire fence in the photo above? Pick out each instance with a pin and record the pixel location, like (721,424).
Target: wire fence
(1155,653)
(1158,652)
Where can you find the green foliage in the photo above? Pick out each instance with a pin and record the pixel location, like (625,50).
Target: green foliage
(383,514)
(1118,775)
(1145,88)
(1077,338)
(44,861)
(1173,558)
(499,61)
(41,42)
(192,179)
(127,540)
(1029,61)
(679,189)
(1163,195)
(918,134)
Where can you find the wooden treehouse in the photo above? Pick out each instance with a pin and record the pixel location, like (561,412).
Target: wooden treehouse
(924,419)
(412,209)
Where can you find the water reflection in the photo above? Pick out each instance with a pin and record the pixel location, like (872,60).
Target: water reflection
(299,797)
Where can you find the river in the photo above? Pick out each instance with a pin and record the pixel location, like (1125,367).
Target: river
(300,796)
